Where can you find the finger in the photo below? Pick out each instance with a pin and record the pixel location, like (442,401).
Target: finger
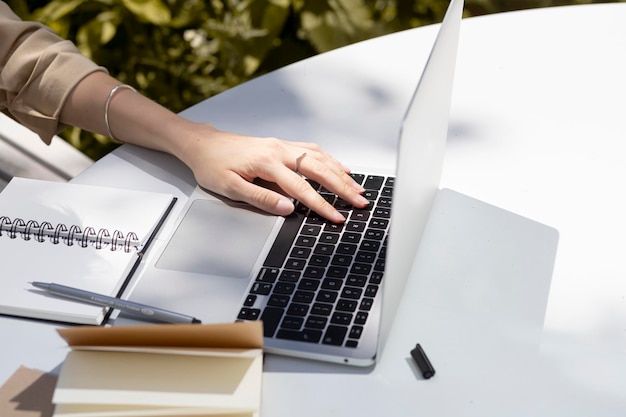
(299,188)
(239,189)
(321,154)
(276,203)
(330,173)
(322,170)
(302,190)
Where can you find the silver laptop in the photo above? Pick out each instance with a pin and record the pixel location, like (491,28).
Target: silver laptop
(316,286)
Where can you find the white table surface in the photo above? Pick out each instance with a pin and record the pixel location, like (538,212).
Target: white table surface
(536,128)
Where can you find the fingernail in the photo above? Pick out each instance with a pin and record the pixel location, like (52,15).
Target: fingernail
(338,217)
(284,207)
(364,201)
(358,187)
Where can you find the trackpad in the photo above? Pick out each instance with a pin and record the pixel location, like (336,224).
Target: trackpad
(216,239)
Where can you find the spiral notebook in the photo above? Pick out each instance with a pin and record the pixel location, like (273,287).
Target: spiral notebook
(83,236)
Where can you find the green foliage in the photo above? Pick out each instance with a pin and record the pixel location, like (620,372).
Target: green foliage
(176,52)
(179,52)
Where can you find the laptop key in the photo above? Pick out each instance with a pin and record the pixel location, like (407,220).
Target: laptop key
(351,237)
(341,260)
(250,300)
(341,318)
(373,182)
(319,261)
(303,296)
(333,227)
(360,215)
(336,272)
(294,263)
(322,309)
(387,192)
(356,332)
(360,269)
(314,218)
(371,290)
(282,246)
(306,335)
(271,317)
(285,288)
(332,284)
(297,309)
(290,322)
(268,275)
(300,252)
(384,202)
(306,241)
(366,304)
(289,276)
(335,335)
(326,297)
(323,249)
(355,226)
(308,284)
(380,265)
(248,314)
(346,248)
(346,305)
(361,317)
(378,223)
(369,245)
(382,212)
(261,288)
(376,277)
(278,300)
(314,322)
(342,204)
(364,256)
(351,293)
(329,238)
(358,177)
(314,272)
(356,280)
(374,234)
(370,195)
(311,230)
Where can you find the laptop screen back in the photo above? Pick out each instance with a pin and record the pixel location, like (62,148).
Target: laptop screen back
(420,161)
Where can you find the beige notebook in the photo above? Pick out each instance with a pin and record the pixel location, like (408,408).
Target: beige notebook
(161,370)
(82,236)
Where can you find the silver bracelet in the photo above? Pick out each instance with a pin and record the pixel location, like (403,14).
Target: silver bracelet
(108,103)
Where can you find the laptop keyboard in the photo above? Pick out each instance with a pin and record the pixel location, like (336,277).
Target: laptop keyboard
(319,280)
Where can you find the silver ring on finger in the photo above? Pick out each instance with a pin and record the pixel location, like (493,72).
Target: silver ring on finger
(298,162)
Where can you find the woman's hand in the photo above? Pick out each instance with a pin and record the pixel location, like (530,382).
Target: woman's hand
(228,163)
(222,162)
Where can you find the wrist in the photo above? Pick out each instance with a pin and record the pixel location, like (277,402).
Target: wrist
(187,141)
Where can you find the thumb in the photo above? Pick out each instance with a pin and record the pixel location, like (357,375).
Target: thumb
(262,198)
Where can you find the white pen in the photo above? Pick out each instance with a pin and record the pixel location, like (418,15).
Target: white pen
(141,310)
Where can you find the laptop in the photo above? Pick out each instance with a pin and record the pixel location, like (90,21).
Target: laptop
(317,287)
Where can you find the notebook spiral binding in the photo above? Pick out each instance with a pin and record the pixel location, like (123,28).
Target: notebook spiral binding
(62,234)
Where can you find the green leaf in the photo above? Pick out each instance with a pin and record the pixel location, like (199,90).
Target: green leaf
(56,9)
(97,32)
(335,23)
(284,4)
(152,11)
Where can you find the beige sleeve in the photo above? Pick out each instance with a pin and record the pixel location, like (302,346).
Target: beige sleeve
(38,71)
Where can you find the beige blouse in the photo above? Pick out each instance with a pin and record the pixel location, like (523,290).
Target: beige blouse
(38,70)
